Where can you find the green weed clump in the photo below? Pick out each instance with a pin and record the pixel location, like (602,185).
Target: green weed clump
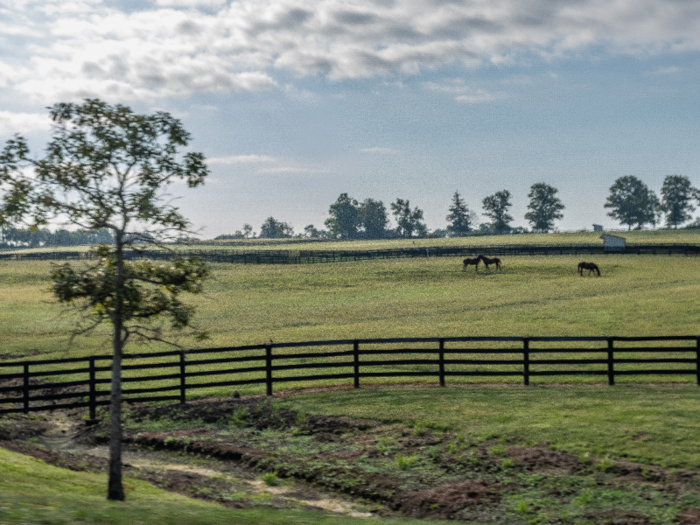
(405,462)
(270,479)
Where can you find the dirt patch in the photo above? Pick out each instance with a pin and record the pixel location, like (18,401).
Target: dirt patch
(691,517)
(447,501)
(541,457)
(15,427)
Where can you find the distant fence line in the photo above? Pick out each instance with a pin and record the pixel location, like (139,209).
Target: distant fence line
(357,359)
(323,256)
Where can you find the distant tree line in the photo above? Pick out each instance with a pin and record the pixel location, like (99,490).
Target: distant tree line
(631,202)
(42,237)
(350,219)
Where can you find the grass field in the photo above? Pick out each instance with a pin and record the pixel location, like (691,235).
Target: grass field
(252,304)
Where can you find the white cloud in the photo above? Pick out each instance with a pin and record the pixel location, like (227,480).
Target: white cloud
(175,47)
(291,169)
(671,70)
(23,123)
(284,169)
(241,159)
(190,3)
(476,97)
(461,91)
(382,151)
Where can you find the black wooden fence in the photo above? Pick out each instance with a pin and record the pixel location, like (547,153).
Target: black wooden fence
(23,385)
(322,256)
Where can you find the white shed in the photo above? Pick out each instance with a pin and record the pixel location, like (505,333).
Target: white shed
(613,243)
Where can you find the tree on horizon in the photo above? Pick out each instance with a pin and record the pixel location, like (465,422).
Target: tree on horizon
(373,219)
(496,208)
(408,221)
(545,207)
(344,220)
(274,229)
(460,218)
(632,202)
(676,197)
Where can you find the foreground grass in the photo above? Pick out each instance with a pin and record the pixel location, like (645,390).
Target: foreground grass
(32,492)
(654,425)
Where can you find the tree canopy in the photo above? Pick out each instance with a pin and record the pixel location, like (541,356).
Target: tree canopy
(632,202)
(373,219)
(460,219)
(274,229)
(108,168)
(545,207)
(343,221)
(408,221)
(496,208)
(677,195)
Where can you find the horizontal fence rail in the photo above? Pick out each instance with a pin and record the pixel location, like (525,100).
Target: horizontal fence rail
(324,256)
(51,384)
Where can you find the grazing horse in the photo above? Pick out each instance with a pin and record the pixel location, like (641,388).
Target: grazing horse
(475,261)
(587,266)
(488,261)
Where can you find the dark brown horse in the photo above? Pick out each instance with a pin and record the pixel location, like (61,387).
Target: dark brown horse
(475,261)
(587,266)
(487,261)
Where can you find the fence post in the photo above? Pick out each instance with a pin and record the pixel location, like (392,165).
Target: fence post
(268,367)
(93,393)
(697,359)
(26,388)
(183,378)
(526,361)
(356,361)
(611,370)
(442,362)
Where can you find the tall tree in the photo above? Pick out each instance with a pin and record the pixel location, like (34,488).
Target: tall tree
(632,202)
(496,208)
(408,221)
(107,167)
(545,207)
(274,229)
(373,219)
(343,221)
(460,218)
(247,231)
(311,232)
(676,197)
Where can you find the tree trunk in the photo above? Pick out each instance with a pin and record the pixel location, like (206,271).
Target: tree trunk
(115,489)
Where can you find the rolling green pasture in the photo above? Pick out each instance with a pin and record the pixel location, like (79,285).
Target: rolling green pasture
(252,304)
(531,296)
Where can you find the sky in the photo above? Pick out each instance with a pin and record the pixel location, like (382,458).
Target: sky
(294,102)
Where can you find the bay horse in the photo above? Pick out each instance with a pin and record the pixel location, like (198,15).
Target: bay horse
(587,266)
(487,261)
(475,261)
